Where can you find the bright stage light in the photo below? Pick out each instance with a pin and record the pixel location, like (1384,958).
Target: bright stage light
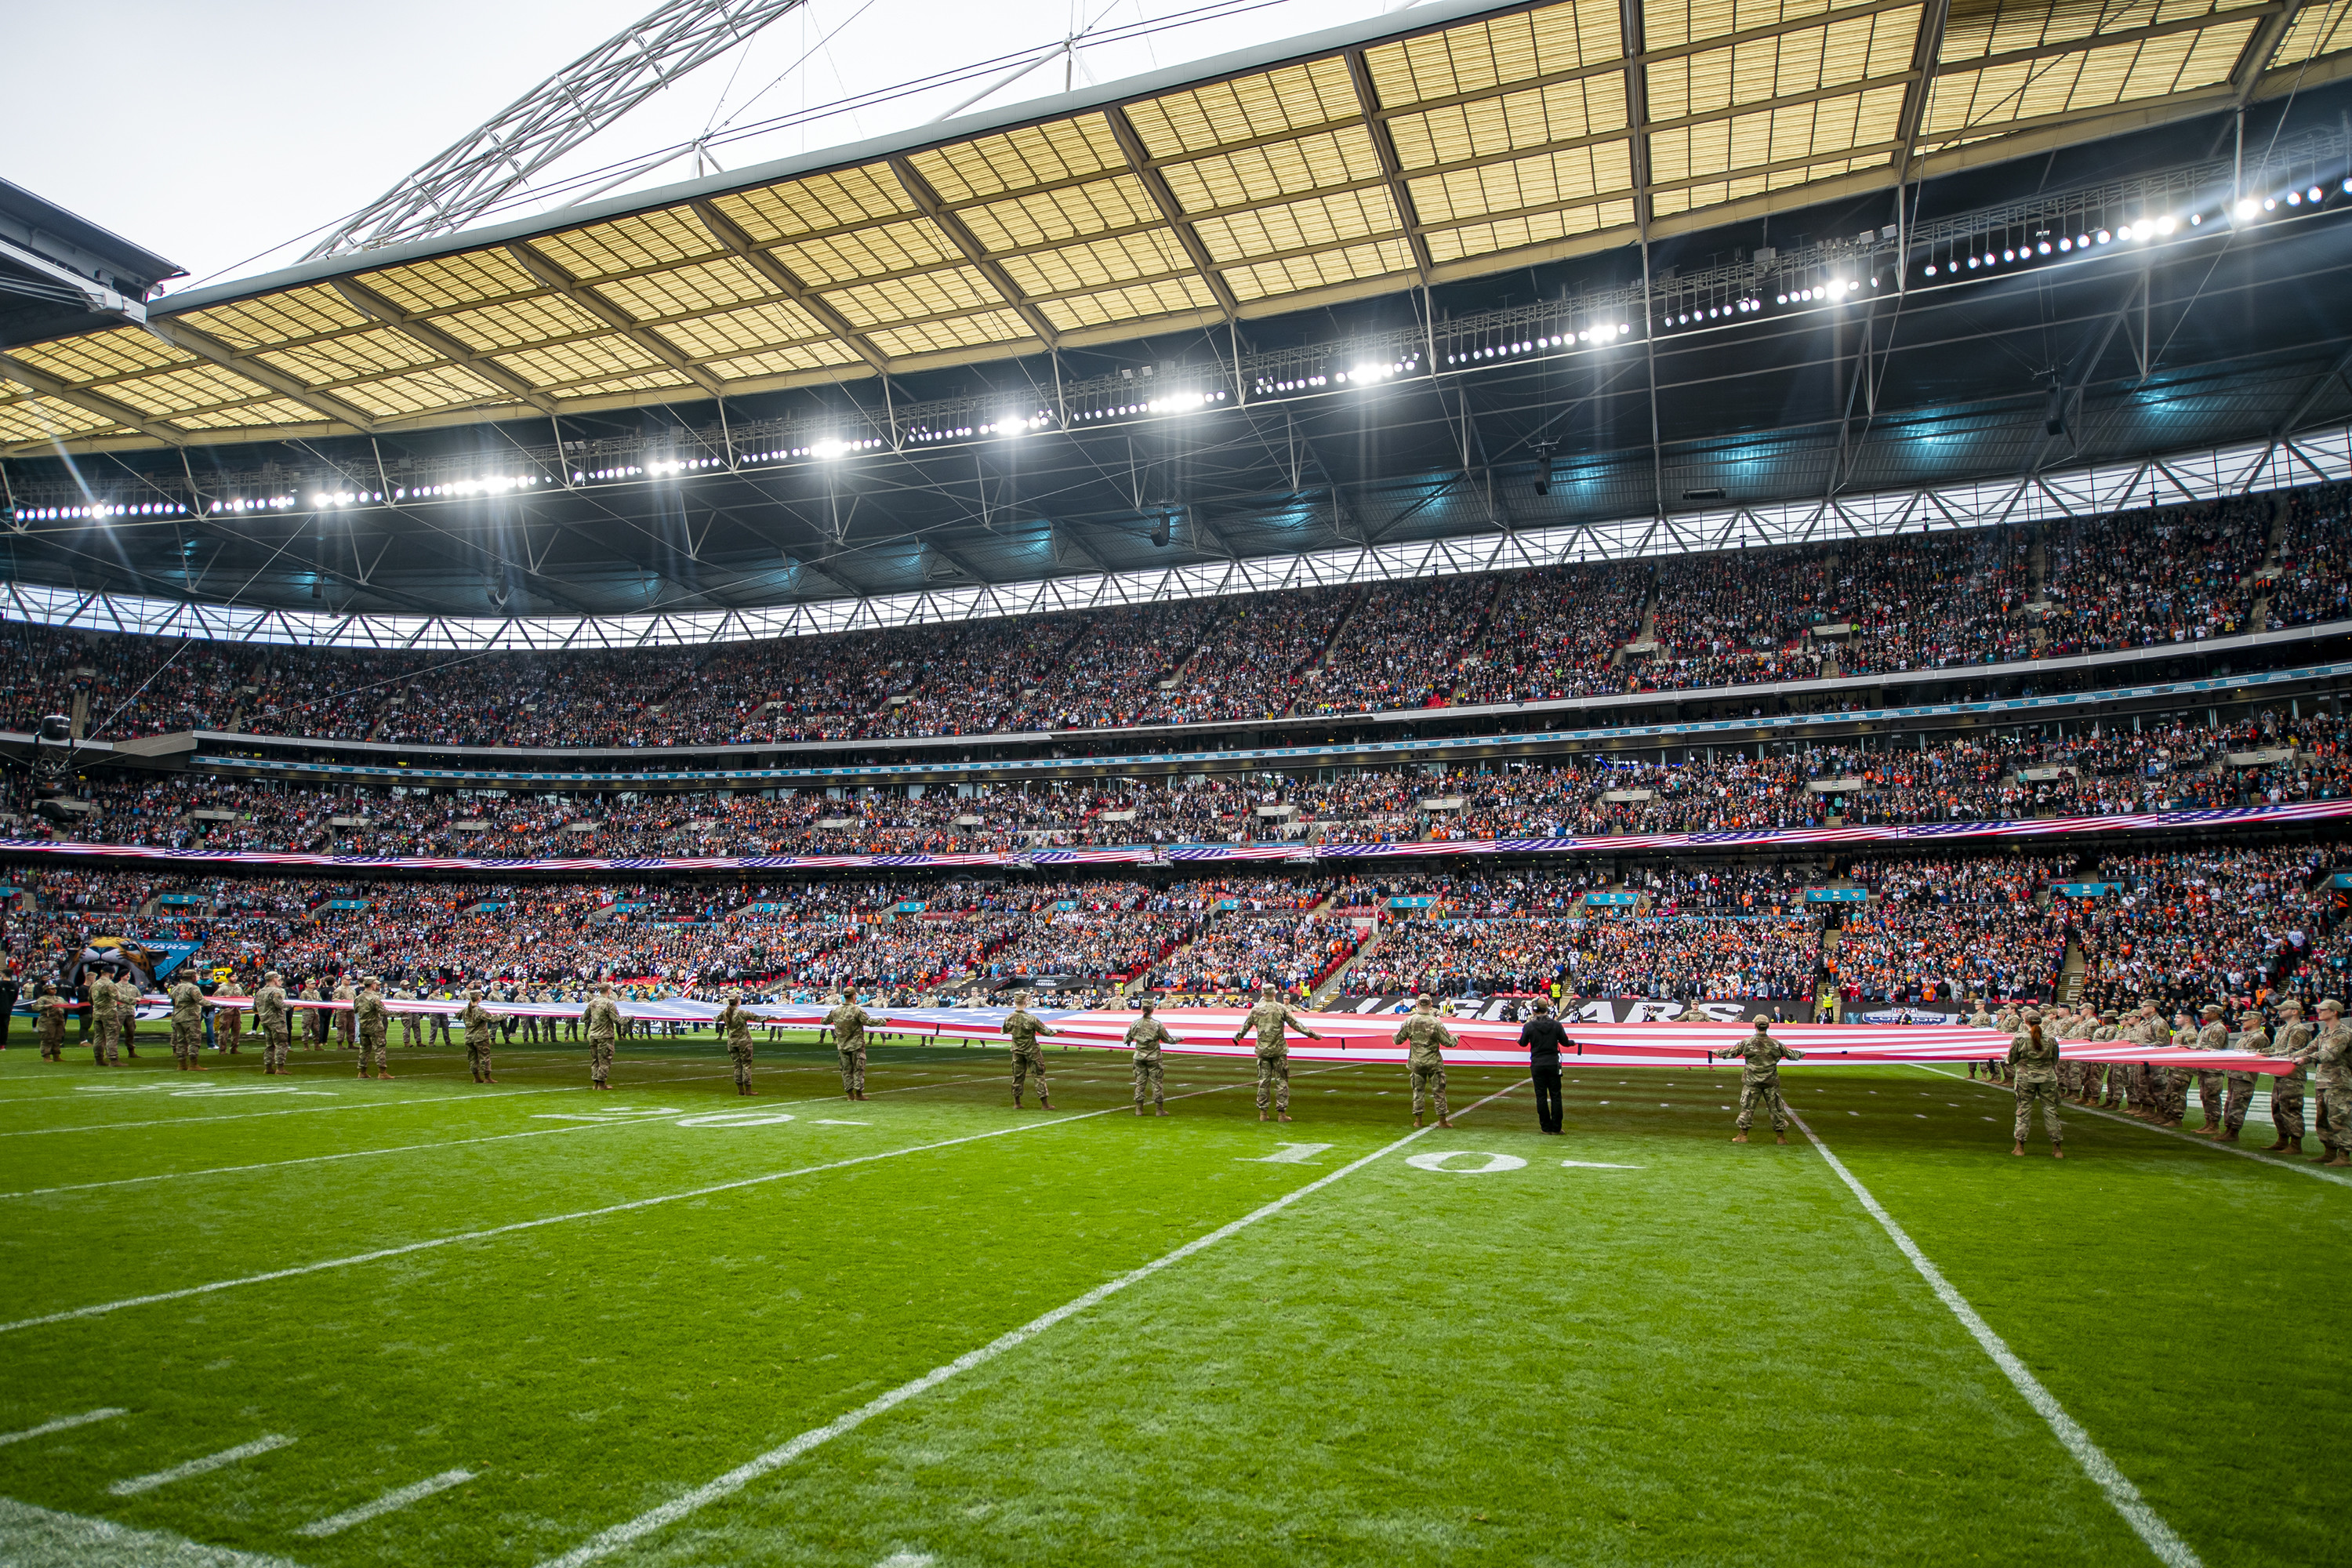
(2246,207)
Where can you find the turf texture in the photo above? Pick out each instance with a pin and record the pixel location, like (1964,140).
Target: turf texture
(515,1324)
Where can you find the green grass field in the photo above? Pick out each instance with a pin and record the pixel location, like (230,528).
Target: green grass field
(429,1322)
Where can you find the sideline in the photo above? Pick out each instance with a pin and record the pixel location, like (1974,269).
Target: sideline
(2121,1495)
(102,1307)
(606,1543)
(2301,1168)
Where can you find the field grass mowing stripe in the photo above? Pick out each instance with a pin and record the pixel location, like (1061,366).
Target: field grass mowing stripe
(42,1538)
(294,1111)
(606,1543)
(2300,1167)
(103,1308)
(62,1423)
(392,1502)
(133,1486)
(2121,1495)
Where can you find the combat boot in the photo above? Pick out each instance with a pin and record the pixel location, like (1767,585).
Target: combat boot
(2057,1150)
(1780,1137)
(2017,1148)
(1044,1104)
(1740,1136)
(2276,1145)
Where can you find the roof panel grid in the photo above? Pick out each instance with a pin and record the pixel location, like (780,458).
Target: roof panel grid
(350,356)
(452,283)
(638,243)
(718,284)
(1176,296)
(1274,170)
(1518,233)
(1794,133)
(2008,93)
(1548,181)
(818,203)
(1020,160)
(1485,55)
(983,330)
(792,360)
(1514,122)
(1082,268)
(1203,119)
(1677,24)
(913,246)
(432,390)
(2315,30)
(514,323)
(278,319)
(661,379)
(1045,218)
(1978,29)
(97,357)
(1877,45)
(1320,221)
(725,333)
(583,359)
(186,389)
(31,417)
(261,414)
(950,291)
(1320,268)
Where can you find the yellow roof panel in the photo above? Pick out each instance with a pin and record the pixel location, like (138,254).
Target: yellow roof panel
(430,391)
(174,393)
(1491,127)
(1053,217)
(1202,118)
(843,199)
(1673,23)
(628,385)
(99,356)
(1322,269)
(556,365)
(29,417)
(952,332)
(445,282)
(519,322)
(687,291)
(1274,170)
(1797,132)
(1485,55)
(1525,183)
(1019,159)
(278,318)
(1098,265)
(1969,103)
(951,292)
(786,361)
(1299,226)
(877,252)
(726,333)
(1539,228)
(2317,30)
(2003,26)
(1164,297)
(631,244)
(1843,52)
(263,415)
(323,361)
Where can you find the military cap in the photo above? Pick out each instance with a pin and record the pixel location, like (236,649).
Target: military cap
(2250,1016)
(2291,1006)
(1425,1000)
(2111,1013)
(2330,1005)
(1762,1020)
(2032,1016)
(1146,1004)
(2211,1010)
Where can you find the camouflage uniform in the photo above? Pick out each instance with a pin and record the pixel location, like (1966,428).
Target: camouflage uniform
(2034,1056)
(2213,1036)
(1424,1035)
(2329,1055)
(270,1017)
(481,1027)
(314,1025)
(346,1024)
(1028,1057)
(2241,1084)
(106,1047)
(2175,1080)
(2286,1089)
(2118,1074)
(847,1021)
(412,1024)
(1267,1020)
(187,1023)
(230,1025)
(736,1025)
(1760,1080)
(1144,1037)
(600,1021)
(49,1023)
(126,1004)
(371,1023)
(2058,1021)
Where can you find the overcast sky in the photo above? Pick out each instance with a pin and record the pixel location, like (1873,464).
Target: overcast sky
(218,135)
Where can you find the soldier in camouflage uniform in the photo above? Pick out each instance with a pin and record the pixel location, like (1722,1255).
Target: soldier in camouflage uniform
(269,1018)
(2118,1074)
(346,1025)
(1424,1036)
(49,1023)
(2213,1035)
(736,1025)
(187,1024)
(1979,1019)
(1268,1020)
(2286,1089)
(2329,1057)
(2033,1058)
(373,1024)
(481,1029)
(1760,1080)
(1025,1026)
(412,1024)
(2058,1021)
(229,1022)
(2146,1030)
(2254,1038)
(106,1046)
(2175,1080)
(1145,1037)
(848,1021)
(601,1020)
(126,1007)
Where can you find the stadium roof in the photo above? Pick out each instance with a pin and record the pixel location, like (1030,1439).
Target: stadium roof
(1457,141)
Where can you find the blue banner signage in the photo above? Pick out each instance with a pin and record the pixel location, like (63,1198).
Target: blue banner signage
(1412,903)
(1837,895)
(1228,903)
(185,898)
(1065,903)
(1613,900)
(912,906)
(359,904)
(2089,889)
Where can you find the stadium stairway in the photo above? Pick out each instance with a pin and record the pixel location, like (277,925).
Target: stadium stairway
(1338,980)
(2070,978)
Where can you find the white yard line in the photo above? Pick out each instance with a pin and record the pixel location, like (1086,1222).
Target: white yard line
(39,1538)
(62,1423)
(2300,1167)
(619,1536)
(135,1485)
(392,1502)
(298,1110)
(2122,1496)
(185,1292)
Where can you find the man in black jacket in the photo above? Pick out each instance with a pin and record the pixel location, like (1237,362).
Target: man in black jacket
(1543,1038)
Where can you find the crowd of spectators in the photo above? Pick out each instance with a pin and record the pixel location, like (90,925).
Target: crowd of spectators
(1946,931)
(1686,957)
(2203,923)
(1233,952)
(2132,579)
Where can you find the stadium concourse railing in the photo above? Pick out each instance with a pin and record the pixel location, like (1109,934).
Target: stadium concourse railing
(2203,820)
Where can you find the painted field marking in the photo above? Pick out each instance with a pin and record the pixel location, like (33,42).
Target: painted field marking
(297,1110)
(392,1502)
(1596,1165)
(605,1542)
(2299,1166)
(830,1122)
(62,1423)
(32,1535)
(431,1243)
(135,1485)
(1289,1154)
(2121,1495)
(737,1119)
(1437,1161)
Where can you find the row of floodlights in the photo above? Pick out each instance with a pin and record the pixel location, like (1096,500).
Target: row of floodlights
(1175,403)
(97,510)
(498,484)
(2249,209)
(1601,334)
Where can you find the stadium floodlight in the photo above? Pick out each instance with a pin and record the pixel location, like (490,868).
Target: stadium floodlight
(2246,208)
(2166,225)
(2314,193)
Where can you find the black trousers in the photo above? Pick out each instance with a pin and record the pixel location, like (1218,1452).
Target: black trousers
(1546,1076)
